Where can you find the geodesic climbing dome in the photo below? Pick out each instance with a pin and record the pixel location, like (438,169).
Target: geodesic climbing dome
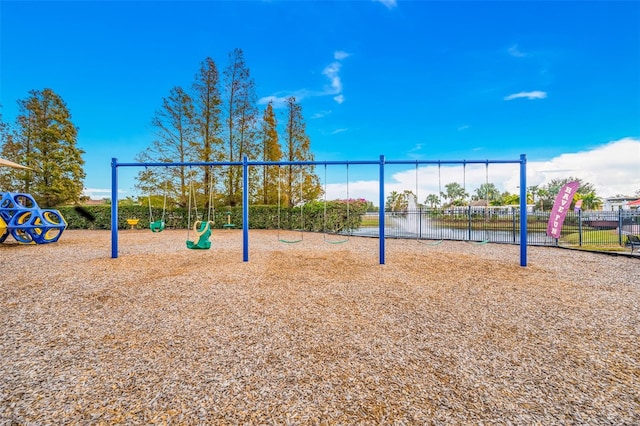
(21,218)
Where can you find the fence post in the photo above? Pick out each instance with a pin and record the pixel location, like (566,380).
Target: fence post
(469,217)
(620,226)
(580,227)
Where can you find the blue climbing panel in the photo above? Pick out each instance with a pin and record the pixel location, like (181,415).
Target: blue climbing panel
(27,223)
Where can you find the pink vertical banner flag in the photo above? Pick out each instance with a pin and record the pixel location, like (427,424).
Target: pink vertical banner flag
(577,206)
(560,208)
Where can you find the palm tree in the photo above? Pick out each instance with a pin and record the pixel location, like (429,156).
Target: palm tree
(532,191)
(455,193)
(432,200)
(591,201)
(487,191)
(393,201)
(543,195)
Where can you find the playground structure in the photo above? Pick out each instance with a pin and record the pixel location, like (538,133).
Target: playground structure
(228,225)
(27,223)
(381,162)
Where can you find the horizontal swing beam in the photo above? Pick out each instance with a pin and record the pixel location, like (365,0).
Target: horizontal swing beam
(245,164)
(309,163)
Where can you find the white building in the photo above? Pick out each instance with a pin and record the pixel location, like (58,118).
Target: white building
(617,203)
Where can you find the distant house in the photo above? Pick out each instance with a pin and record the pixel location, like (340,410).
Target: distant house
(92,202)
(480,205)
(617,203)
(634,204)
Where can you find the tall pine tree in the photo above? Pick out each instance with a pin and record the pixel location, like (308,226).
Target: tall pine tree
(175,142)
(206,94)
(9,178)
(300,183)
(240,121)
(271,151)
(45,139)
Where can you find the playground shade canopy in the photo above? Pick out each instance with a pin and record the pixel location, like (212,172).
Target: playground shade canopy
(8,163)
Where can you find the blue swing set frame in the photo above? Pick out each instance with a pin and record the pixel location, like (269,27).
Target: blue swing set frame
(381,162)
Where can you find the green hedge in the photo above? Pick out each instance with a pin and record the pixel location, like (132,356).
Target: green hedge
(78,217)
(260,217)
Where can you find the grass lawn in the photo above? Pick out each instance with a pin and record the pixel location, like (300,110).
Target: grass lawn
(605,240)
(369,221)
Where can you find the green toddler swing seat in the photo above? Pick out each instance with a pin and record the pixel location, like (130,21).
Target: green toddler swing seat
(202,230)
(157,226)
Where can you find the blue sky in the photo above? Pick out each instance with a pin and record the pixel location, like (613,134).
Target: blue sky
(558,81)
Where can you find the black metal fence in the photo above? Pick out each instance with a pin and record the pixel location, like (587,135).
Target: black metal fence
(606,230)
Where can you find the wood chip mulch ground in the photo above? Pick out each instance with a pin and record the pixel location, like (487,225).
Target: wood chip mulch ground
(315,333)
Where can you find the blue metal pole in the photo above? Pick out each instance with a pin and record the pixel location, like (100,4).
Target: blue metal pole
(114,208)
(245,209)
(523,210)
(381,212)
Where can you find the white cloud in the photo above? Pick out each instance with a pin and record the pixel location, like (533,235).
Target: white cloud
(516,52)
(339,55)
(366,189)
(465,127)
(612,168)
(100,193)
(332,72)
(334,88)
(335,132)
(536,94)
(415,152)
(390,4)
(280,99)
(321,114)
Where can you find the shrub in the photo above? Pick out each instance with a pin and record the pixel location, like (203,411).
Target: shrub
(260,216)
